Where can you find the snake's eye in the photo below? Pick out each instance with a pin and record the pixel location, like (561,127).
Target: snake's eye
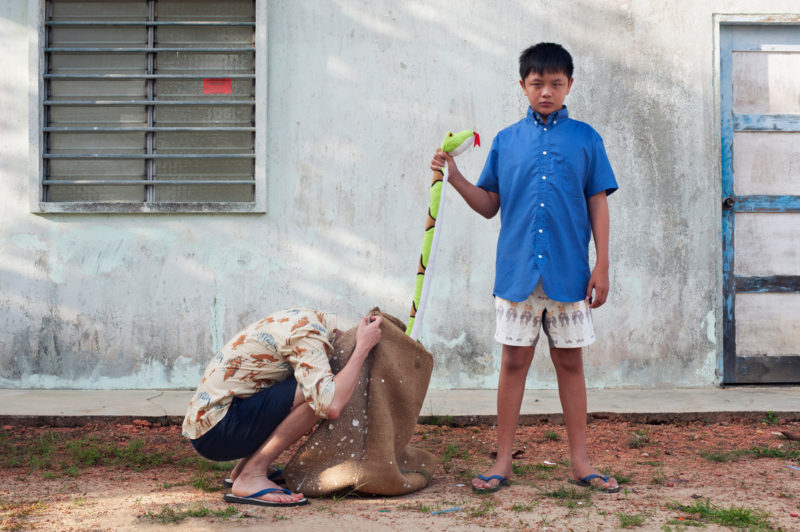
(450,135)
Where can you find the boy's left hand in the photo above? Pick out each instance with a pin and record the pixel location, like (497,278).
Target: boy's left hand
(599,283)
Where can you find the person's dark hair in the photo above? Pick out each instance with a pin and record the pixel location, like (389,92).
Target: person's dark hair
(545,57)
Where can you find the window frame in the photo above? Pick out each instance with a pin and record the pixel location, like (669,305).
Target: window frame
(36,19)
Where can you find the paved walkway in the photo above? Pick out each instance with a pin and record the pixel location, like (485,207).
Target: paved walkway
(69,407)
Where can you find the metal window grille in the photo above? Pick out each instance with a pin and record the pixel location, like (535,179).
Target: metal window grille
(149,102)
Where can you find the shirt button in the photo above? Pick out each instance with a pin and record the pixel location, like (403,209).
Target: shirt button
(544,177)
(545,129)
(541,205)
(540,256)
(544,153)
(540,230)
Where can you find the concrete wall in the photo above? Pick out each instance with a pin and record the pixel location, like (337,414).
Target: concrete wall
(360,94)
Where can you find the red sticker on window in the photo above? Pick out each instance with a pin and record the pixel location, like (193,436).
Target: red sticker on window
(217,86)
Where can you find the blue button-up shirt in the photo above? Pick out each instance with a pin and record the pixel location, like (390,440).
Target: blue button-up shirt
(544,172)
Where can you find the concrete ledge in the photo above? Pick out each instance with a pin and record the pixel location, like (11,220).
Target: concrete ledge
(63,408)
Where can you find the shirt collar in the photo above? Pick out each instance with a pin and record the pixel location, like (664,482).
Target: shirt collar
(562,115)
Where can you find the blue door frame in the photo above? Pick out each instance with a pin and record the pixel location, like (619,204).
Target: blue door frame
(750,369)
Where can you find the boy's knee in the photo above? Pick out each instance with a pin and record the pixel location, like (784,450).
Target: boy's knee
(568,359)
(516,358)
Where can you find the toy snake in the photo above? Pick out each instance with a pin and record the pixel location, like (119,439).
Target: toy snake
(454,144)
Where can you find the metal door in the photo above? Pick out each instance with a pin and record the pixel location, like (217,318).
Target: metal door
(760,141)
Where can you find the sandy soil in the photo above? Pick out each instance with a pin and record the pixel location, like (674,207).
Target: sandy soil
(139,476)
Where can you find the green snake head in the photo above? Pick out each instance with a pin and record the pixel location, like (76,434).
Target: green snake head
(457,143)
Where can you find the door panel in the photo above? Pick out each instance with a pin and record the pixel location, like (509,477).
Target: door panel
(766,162)
(767,324)
(766,82)
(760,141)
(767,244)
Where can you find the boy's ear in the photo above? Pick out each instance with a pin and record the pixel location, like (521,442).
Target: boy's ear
(569,84)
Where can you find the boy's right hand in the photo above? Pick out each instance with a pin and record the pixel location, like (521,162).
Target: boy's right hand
(368,333)
(439,160)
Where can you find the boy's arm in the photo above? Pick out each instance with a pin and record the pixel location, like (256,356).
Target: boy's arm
(481,201)
(598,216)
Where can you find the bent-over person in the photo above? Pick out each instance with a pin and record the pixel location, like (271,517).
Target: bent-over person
(269,385)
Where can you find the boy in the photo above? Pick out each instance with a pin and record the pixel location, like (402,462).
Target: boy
(549,176)
(269,385)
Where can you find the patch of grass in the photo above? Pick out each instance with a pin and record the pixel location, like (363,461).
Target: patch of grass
(771,418)
(169,515)
(550,435)
(631,520)
(658,478)
(638,439)
(755,452)
(40,453)
(654,463)
(570,497)
(419,507)
(207,484)
(439,421)
(523,469)
(524,507)
(485,508)
(622,478)
(734,516)
(719,456)
(453,451)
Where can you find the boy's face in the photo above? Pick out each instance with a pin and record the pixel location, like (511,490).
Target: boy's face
(546,91)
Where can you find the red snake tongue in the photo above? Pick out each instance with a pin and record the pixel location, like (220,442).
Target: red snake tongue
(477,140)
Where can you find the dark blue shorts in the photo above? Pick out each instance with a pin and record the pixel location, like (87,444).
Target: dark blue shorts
(248,423)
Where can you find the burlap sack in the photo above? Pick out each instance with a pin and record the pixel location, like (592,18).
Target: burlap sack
(366,449)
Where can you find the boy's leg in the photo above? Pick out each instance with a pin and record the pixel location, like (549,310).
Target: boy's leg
(251,472)
(568,364)
(511,387)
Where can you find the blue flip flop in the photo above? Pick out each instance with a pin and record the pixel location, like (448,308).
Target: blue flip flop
(502,482)
(254,498)
(276,477)
(585,482)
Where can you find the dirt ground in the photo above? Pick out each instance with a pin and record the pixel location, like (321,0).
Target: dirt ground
(727,475)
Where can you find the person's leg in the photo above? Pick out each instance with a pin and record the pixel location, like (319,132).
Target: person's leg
(252,471)
(297,401)
(568,364)
(510,388)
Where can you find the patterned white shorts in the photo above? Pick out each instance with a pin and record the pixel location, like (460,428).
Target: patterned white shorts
(565,324)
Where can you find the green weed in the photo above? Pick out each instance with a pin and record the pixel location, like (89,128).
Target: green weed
(755,452)
(631,520)
(439,421)
(169,515)
(638,439)
(658,479)
(453,451)
(735,516)
(207,484)
(524,507)
(569,496)
(523,469)
(486,507)
(550,435)
(771,418)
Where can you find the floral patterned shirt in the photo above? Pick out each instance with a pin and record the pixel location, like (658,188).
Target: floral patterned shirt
(295,341)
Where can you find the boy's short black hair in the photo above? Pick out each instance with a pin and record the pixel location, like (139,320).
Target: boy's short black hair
(545,57)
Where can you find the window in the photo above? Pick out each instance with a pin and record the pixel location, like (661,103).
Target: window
(151,106)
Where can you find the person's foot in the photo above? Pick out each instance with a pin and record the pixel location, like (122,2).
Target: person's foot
(273,473)
(580,473)
(246,485)
(479,484)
